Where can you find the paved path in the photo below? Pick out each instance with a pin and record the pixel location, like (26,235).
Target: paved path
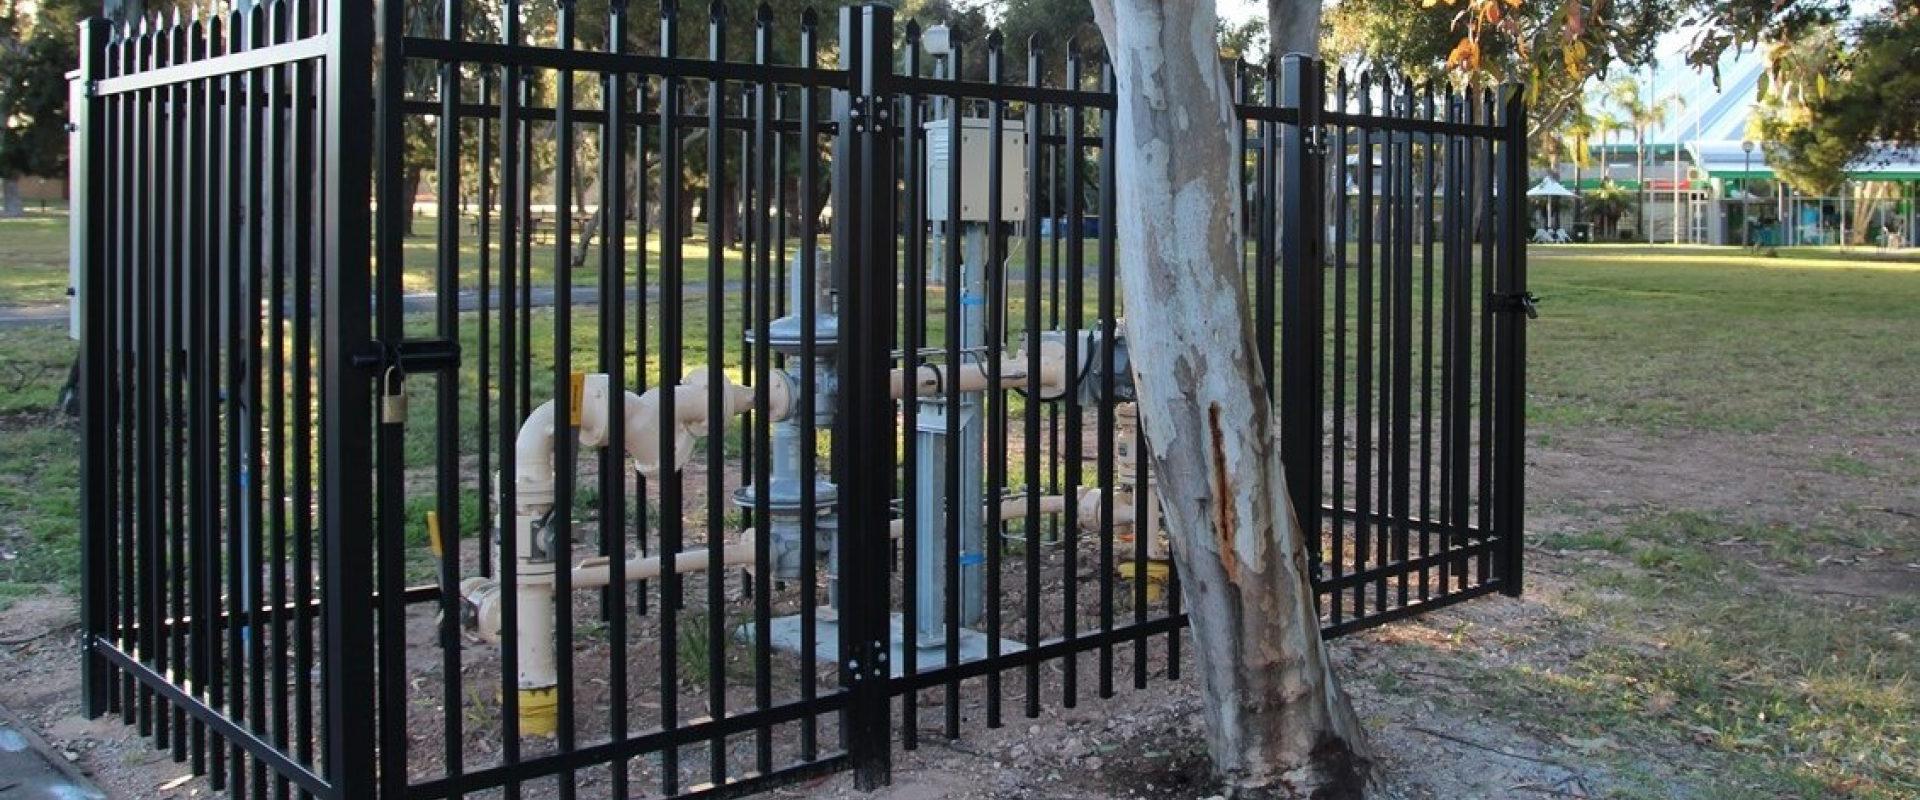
(16,316)
(415,302)
(31,770)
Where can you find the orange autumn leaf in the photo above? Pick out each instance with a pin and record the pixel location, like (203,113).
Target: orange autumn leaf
(1465,55)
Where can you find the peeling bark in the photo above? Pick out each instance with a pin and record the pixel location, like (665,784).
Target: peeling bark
(1279,724)
(1293,26)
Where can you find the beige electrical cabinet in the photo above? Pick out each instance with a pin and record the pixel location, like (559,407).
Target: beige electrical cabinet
(974,166)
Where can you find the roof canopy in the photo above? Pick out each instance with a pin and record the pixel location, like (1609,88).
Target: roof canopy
(1548,187)
(1709,120)
(1730,161)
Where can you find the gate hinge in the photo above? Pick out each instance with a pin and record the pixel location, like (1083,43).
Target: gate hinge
(868,662)
(870,112)
(410,355)
(1525,302)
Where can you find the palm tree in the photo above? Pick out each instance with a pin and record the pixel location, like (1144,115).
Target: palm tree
(1606,125)
(1606,205)
(1579,129)
(1641,116)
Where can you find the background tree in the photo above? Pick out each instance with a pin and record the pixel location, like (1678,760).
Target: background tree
(1578,146)
(39,43)
(1840,99)
(1798,78)
(1554,47)
(1641,116)
(1608,126)
(1605,206)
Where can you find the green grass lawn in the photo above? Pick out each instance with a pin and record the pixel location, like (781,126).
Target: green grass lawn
(1695,337)
(33,259)
(1761,690)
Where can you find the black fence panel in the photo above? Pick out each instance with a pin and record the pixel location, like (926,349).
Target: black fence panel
(226,559)
(661,404)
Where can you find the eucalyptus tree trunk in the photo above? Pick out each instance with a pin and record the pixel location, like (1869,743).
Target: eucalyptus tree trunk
(1279,724)
(1293,26)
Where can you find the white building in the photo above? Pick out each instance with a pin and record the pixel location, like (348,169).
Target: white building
(1718,185)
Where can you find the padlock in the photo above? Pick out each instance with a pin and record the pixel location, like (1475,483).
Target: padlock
(393,396)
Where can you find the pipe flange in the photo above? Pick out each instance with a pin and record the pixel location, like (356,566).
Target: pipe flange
(785,496)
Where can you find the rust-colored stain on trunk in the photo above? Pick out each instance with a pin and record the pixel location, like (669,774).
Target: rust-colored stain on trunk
(1223,521)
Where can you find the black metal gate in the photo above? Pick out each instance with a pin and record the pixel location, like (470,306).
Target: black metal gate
(815,348)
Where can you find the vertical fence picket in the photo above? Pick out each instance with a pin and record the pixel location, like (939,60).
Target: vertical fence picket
(716,236)
(613,360)
(444,526)
(808,244)
(1072,437)
(511,394)
(913,339)
(993,526)
(566,411)
(1031,428)
(1426,214)
(952,289)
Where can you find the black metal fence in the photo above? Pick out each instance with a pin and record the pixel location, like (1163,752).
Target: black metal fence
(833,349)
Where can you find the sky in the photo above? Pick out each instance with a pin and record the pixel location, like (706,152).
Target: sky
(1236,10)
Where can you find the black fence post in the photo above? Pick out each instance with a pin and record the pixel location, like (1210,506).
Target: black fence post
(864,421)
(1301,258)
(1510,403)
(89,211)
(346,404)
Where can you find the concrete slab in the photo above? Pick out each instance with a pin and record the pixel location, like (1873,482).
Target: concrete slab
(785,635)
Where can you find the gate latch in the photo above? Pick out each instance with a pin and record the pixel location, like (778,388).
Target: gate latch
(411,355)
(1524,302)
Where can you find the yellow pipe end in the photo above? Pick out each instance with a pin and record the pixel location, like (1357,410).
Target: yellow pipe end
(539,712)
(1156,571)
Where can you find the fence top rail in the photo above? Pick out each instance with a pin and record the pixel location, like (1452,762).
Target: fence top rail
(640,64)
(307,49)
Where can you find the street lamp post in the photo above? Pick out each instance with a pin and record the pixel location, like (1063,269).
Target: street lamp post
(1746,191)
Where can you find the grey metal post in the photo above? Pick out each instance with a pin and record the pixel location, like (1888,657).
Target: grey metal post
(929,529)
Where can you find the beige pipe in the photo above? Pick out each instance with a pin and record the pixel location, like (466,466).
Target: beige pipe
(937,379)
(536,591)
(533,497)
(595,572)
(533,449)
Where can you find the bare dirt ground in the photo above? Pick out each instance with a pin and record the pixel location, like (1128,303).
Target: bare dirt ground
(1421,686)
